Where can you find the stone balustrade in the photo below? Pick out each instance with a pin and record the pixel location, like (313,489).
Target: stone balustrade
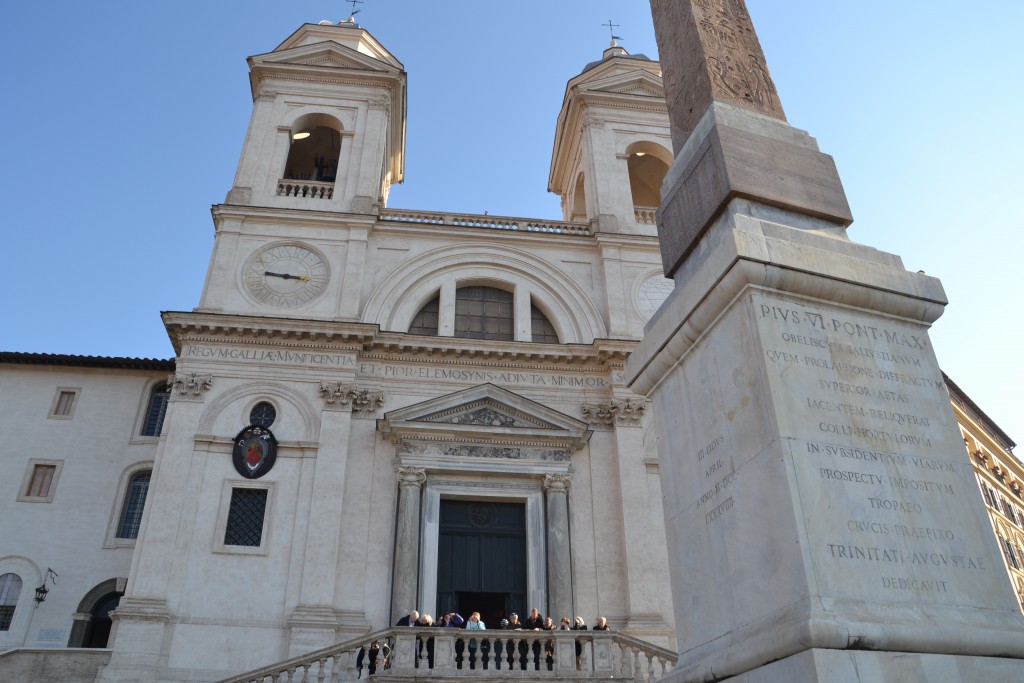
(466,220)
(644,214)
(455,653)
(305,188)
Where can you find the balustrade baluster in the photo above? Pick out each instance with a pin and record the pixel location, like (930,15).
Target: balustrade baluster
(494,656)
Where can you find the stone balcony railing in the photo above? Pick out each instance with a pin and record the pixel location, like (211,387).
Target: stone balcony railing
(467,220)
(441,653)
(309,189)
(644,214)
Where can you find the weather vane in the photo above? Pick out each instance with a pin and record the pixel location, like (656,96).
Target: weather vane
(354,3)
(611,31)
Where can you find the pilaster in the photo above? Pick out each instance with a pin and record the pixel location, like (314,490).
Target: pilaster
(352,278)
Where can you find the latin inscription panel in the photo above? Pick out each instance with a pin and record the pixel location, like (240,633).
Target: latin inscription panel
(887,494)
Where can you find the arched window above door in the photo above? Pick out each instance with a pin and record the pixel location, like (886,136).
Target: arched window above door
(426,320)
(483,312)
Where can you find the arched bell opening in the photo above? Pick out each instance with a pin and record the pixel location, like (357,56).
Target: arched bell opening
(314,149)
(578,214)
(648,164)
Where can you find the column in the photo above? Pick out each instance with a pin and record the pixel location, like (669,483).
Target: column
(407,541)
(556,486)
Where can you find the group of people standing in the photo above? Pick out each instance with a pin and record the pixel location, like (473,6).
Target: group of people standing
(534,622)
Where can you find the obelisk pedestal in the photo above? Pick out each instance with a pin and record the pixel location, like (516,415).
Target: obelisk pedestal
(823,520)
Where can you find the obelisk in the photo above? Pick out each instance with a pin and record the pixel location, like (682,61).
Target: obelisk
(823,520)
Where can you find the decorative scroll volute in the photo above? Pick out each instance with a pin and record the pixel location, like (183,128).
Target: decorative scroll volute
(557,483)
(411,476)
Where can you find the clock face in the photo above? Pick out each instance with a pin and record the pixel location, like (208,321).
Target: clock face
(652,295)
(285,275)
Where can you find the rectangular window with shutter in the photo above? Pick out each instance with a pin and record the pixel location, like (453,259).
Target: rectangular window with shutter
(64,403)
(40,481)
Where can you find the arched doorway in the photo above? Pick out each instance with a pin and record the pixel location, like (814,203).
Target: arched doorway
(92,619)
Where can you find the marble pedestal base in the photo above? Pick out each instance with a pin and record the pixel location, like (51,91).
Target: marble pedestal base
(851,666)
(817,495)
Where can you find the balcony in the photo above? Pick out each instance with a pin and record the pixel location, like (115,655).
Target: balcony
(644,214)
(441,653)
(309,189)
(485,222)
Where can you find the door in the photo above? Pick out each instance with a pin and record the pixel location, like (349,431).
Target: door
(482,559)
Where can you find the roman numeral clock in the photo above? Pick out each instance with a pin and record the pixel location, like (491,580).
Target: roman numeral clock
(285,275)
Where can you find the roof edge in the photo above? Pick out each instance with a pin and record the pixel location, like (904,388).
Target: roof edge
(65,360)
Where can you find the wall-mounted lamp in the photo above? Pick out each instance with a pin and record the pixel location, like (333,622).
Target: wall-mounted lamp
(42,590)
(301,135)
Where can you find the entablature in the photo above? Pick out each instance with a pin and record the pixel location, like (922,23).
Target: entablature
(368,342)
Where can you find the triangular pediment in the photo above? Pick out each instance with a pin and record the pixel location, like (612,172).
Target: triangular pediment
(488,412)
(327,54)
(643,84)
(485,419)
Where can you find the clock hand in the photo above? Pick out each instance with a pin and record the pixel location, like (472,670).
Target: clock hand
(286,276)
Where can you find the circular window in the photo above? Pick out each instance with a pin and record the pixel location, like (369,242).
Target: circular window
(263,415)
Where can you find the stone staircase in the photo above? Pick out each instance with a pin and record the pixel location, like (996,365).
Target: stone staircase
(441,654)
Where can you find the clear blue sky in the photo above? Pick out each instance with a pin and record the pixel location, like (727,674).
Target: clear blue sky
(123,122)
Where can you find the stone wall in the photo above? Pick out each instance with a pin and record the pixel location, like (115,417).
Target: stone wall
(51,666)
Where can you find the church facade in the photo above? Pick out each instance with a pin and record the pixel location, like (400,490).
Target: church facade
(441,401)
(371,411)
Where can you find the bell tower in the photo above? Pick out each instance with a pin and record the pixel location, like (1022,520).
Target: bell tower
(325,142)
(328,124)
(612,144)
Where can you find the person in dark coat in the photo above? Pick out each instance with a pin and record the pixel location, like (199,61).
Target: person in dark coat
(515,625)
(579,625)
(535,622)
(410,620)
(428,621)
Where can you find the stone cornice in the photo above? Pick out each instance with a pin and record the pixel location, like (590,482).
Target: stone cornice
(298,217)
(264,331)
(369,343)
(618,100)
